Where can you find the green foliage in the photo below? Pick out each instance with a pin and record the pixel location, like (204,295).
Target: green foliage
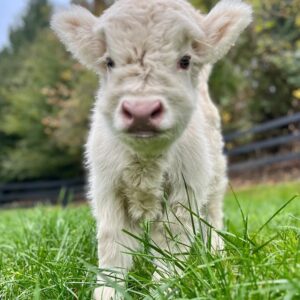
(36,17)
(50,253)
(45,99)
(259,79)
(46,113)
(262,72)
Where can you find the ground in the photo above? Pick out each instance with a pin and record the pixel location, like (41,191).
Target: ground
(50,253)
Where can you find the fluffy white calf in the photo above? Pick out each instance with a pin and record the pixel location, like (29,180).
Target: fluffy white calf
(154,127)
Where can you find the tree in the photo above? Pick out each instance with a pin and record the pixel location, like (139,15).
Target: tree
(45,98)
(259,79)
(35,18)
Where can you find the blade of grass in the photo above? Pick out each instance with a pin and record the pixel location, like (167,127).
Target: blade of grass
(274,215)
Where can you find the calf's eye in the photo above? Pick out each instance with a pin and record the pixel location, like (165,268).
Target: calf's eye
(109,63)
(184,62)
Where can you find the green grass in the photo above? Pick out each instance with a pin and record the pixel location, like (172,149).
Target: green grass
(50,253)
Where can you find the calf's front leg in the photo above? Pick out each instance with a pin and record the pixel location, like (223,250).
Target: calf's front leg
(113,242)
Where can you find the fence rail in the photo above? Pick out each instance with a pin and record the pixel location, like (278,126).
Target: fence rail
(52,191)
(253,164)
(281,140)
(62,190)
(264,127)
(254,147)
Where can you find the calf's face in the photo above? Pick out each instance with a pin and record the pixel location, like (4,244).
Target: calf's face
(149,54)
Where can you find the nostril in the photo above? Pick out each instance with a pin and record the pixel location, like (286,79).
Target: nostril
(126,111)
(157,112)
(127,114)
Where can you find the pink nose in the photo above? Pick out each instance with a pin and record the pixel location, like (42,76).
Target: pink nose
(142,115)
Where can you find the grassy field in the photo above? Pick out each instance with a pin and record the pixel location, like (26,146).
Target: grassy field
(50,253)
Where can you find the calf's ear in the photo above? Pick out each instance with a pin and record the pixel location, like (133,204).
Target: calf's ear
(222,26)
(76,28)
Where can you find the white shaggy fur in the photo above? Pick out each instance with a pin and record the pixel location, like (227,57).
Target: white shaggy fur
(129,174)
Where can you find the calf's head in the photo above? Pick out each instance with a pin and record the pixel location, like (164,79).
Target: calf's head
(149,54)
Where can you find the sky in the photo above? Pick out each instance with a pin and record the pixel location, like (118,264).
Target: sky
(10,13)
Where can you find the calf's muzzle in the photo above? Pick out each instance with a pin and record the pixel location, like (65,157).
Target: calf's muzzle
(142,116)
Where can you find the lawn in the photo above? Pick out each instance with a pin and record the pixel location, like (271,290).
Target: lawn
(50,253)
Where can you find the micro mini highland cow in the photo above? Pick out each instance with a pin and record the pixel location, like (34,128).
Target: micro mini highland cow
(155,133)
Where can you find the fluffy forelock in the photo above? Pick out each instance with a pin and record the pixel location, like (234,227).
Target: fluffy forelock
(162,25)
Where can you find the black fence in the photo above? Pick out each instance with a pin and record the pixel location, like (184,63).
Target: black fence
(58,191)
(243,151)
(252,153)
